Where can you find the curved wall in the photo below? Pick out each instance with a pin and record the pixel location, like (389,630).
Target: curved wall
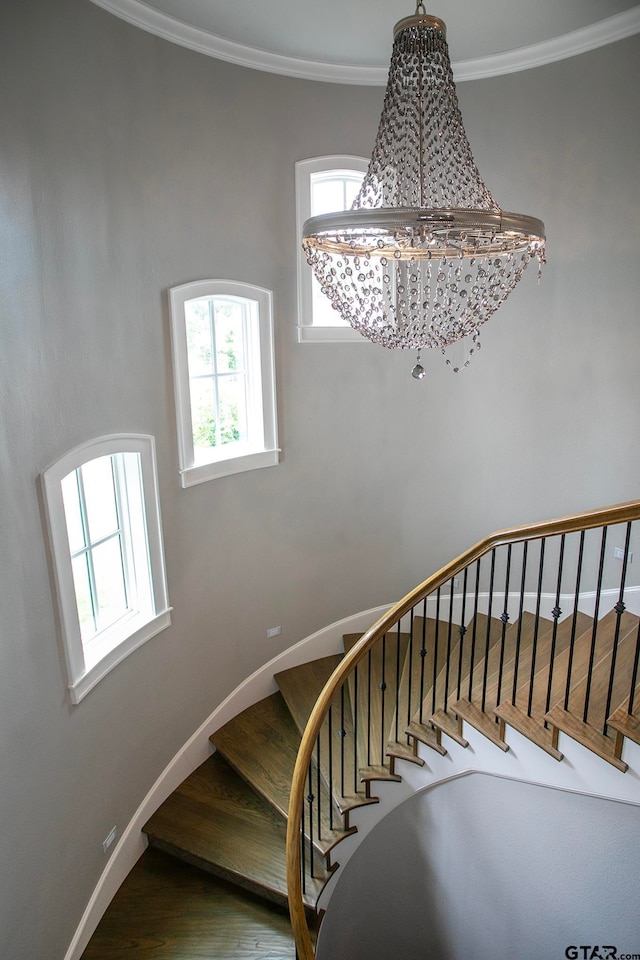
(130,165)
(493,869)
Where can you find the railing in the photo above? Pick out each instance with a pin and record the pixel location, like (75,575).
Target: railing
(455,648)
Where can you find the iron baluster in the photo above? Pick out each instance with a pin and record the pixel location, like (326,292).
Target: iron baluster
(634,675)
(536,629)
(619,608)
(555,613)
(330,748)
(592,652)
(355,731)
(435,653)
(319,792)
(423,655)
(342,734)
(462,630)
(397,681)
(485,672)
(473,632)
(516,659)
(449,629)
(574,624)
(310,799)
(505,621)
(383,687)
(369,711)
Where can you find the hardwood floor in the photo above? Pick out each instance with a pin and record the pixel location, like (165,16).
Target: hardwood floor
(169,910)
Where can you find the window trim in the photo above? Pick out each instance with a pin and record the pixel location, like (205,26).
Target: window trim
(235,458)
(308,332)
(84,676)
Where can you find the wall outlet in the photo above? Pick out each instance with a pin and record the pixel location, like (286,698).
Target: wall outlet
(618,553)
(108,840)
(273,632)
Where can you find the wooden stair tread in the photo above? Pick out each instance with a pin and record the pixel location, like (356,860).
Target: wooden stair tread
(449,724)
(482,722)
(261,744)
(626,723)
(426,734)
(608,748)
(215,821)
(300,686)
(529,727)
(403,751)
(168,910)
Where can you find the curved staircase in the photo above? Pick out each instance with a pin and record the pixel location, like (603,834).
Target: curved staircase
(213,881)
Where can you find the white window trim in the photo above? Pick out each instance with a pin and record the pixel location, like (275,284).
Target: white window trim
(83,676)
(307,331)
(227,459)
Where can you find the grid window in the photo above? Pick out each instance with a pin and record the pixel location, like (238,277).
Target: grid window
(222,336)
(104,524)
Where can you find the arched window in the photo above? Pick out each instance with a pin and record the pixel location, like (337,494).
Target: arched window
(224,375)
(103,514)
(323,185)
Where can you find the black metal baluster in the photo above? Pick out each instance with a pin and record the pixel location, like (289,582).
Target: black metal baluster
(523,583)
(486,646)
(449,631)
(383,687)
(619,608)
(462,630)
(423,656)
(555,613)
(435,653)
(410,680)
(505,620)
(592,652)
(397,682)
(342,734)
(369,711)
(319,792)
(536,628)
(310,799)
(634,675)
(473,632)
(303,852)
(575,621)
(356,766)
(330,730)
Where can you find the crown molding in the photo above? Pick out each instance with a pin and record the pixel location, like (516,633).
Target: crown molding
(571,44)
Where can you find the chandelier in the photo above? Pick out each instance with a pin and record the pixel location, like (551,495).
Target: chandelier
(425,255)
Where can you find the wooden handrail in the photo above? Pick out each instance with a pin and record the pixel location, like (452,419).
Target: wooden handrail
(575,523)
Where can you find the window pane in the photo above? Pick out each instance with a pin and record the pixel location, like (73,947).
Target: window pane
(351,187)
(110,582)
(327,196)
(203,414)
(100,498)
(229,317)
(233,409)
(198,337)
(323,313)
(83,597)
(72,515)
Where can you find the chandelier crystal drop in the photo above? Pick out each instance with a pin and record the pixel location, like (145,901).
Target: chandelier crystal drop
(425,255)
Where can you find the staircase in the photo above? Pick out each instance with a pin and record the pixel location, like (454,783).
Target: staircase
(459,654)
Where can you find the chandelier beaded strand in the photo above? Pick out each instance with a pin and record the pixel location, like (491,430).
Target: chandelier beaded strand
(425,255)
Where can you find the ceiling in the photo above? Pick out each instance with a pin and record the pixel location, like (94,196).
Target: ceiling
(349,41)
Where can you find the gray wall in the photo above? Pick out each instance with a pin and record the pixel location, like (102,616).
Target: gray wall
(129,165)
(491,869)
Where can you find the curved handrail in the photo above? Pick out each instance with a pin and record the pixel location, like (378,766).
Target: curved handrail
(574,523)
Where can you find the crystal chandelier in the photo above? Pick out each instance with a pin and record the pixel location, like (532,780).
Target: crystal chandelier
(425,255)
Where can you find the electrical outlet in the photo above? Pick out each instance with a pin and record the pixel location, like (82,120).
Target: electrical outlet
(108,840)
(273,632)
(618,553)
